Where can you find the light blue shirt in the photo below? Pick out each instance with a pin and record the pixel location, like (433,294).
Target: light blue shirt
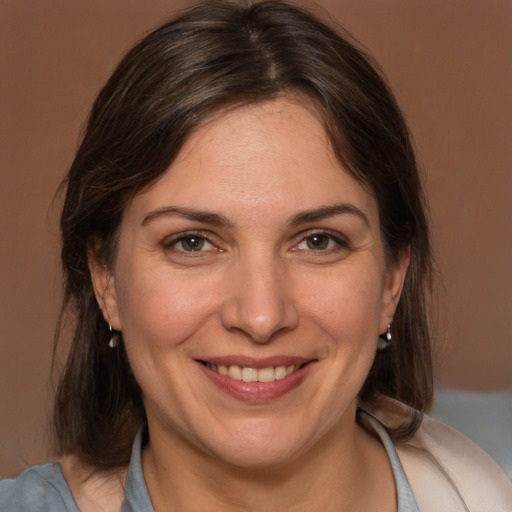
(43,488)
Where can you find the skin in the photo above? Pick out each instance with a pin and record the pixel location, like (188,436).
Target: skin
(269,279)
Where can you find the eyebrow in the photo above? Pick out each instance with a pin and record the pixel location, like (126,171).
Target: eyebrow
(325,212)
(215,219)
(192,214)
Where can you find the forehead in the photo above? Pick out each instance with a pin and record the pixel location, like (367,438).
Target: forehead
(274,154)
(258,133)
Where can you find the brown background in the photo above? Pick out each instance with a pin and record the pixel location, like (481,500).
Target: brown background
(449,62)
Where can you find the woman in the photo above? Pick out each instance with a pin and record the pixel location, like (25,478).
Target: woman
(247,254)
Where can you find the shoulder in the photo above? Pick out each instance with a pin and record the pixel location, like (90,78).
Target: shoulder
(38,488)
(445,468)
(454,464)
(94,490)
(61,487)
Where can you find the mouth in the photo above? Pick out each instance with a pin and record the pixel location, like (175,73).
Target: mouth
(257,381)
(250,374)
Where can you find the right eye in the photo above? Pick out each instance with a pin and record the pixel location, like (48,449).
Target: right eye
(190,242)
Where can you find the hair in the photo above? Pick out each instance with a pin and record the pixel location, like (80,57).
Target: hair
(212,58)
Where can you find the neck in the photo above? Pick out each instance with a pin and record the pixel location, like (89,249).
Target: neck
(340,472)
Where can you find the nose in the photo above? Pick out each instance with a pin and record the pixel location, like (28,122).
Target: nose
(259,303)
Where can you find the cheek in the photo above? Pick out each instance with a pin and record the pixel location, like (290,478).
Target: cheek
(163,309)
(347,303)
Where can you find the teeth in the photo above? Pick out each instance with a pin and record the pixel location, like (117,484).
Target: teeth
(280,372)
(253,374)
(250,375)
(235,372)
(266,375)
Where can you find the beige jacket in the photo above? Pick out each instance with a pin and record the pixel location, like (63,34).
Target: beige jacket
(447,471)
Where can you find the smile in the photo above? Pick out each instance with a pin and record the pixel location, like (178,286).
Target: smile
(256,381)
(247,374)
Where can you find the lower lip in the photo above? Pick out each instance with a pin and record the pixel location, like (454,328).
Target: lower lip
(257,392)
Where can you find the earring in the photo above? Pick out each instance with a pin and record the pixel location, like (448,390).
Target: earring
(384,339)
(114,338)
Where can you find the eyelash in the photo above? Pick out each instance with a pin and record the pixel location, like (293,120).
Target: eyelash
(171,244)
(339,241)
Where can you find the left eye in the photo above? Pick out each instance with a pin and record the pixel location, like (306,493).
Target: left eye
(318,242)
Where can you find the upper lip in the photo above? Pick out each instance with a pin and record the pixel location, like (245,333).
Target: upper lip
(256,362)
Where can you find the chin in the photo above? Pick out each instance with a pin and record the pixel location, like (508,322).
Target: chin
(257,457)
(257,448)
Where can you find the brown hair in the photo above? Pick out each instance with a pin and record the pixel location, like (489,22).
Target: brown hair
(214,57)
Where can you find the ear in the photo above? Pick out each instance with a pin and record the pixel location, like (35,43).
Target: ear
(395,278)
(104,288)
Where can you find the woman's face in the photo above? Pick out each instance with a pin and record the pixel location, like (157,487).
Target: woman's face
(250,286)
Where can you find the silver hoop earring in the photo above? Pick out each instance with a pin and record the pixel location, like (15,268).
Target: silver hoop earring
(114,338)
(385,339)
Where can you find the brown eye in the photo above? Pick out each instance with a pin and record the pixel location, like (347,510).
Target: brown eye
(321,242)
(318,242)
(191,243)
